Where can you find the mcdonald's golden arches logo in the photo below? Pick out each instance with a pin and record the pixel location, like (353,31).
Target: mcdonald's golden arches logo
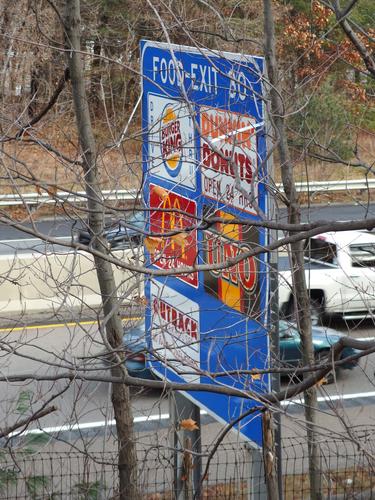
(170,212)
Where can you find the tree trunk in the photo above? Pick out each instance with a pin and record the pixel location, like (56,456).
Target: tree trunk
(301,295)
(269,457)
(127,459)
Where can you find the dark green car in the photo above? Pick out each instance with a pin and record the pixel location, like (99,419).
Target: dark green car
(323,339)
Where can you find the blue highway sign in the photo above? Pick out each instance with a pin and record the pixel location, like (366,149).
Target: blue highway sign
(204,157)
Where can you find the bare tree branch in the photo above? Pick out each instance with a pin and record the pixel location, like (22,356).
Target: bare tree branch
(26,421)
(341,17)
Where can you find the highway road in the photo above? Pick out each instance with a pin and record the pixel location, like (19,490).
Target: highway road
(63,227)
(48,349)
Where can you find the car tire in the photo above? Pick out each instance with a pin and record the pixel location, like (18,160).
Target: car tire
(316,312)
(321,358)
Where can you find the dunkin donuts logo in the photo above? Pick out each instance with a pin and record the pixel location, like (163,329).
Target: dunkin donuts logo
(171,141)
(228,157)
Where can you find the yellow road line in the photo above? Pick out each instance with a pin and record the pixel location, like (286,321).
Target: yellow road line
(58,325)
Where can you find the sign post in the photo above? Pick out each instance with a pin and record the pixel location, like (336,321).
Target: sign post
(205,177)
(188,466)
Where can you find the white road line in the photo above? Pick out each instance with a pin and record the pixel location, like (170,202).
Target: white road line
(337,397)
(36,240)
(92,425)
(86,425)
(165,416)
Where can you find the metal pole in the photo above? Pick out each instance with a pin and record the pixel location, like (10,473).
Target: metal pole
(274,308)
(275,356)
(187,448)
(257,484)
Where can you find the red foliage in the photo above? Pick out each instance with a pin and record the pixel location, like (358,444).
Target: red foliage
(314,45)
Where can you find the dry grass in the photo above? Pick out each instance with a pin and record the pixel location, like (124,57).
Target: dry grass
(351,483)
(121,166)
(315,170)
(222,491)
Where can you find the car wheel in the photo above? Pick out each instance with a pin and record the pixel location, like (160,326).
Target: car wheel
(321,358)
(316,312)
(290,312)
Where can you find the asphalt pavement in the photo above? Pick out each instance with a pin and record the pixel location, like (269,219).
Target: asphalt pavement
(63,227)
(49,349)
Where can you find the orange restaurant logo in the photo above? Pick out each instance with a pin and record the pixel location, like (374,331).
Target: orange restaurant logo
(171,141)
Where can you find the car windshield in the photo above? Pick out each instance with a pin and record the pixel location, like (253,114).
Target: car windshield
(136,219)
(137,331)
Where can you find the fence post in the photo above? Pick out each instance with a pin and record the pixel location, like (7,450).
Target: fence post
(187,466)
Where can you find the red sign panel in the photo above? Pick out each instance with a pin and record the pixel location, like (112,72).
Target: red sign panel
(171,213)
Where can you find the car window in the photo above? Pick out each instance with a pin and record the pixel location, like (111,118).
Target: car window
(286,329)
(321,250)
(136,219)
(362,255)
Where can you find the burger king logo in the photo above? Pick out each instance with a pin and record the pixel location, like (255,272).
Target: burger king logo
(171,141)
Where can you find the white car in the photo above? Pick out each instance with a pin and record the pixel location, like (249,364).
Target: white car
(340,276)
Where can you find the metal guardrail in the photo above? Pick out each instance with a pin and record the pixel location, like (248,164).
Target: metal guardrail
(322,186)
(7,200)
(30,199)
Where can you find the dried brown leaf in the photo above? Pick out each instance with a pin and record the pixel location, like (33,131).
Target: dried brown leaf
(188,424)
(180,239)
(152,243)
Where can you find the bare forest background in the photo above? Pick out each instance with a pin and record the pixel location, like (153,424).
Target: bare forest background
(329,100)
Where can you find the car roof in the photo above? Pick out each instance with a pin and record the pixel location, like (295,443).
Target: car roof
(344,238)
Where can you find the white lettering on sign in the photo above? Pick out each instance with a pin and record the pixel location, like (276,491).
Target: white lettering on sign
(204,77)
(228,155)
(175,331)
(166,71)
(238,85)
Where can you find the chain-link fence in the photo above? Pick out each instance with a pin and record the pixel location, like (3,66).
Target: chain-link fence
(234,473)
